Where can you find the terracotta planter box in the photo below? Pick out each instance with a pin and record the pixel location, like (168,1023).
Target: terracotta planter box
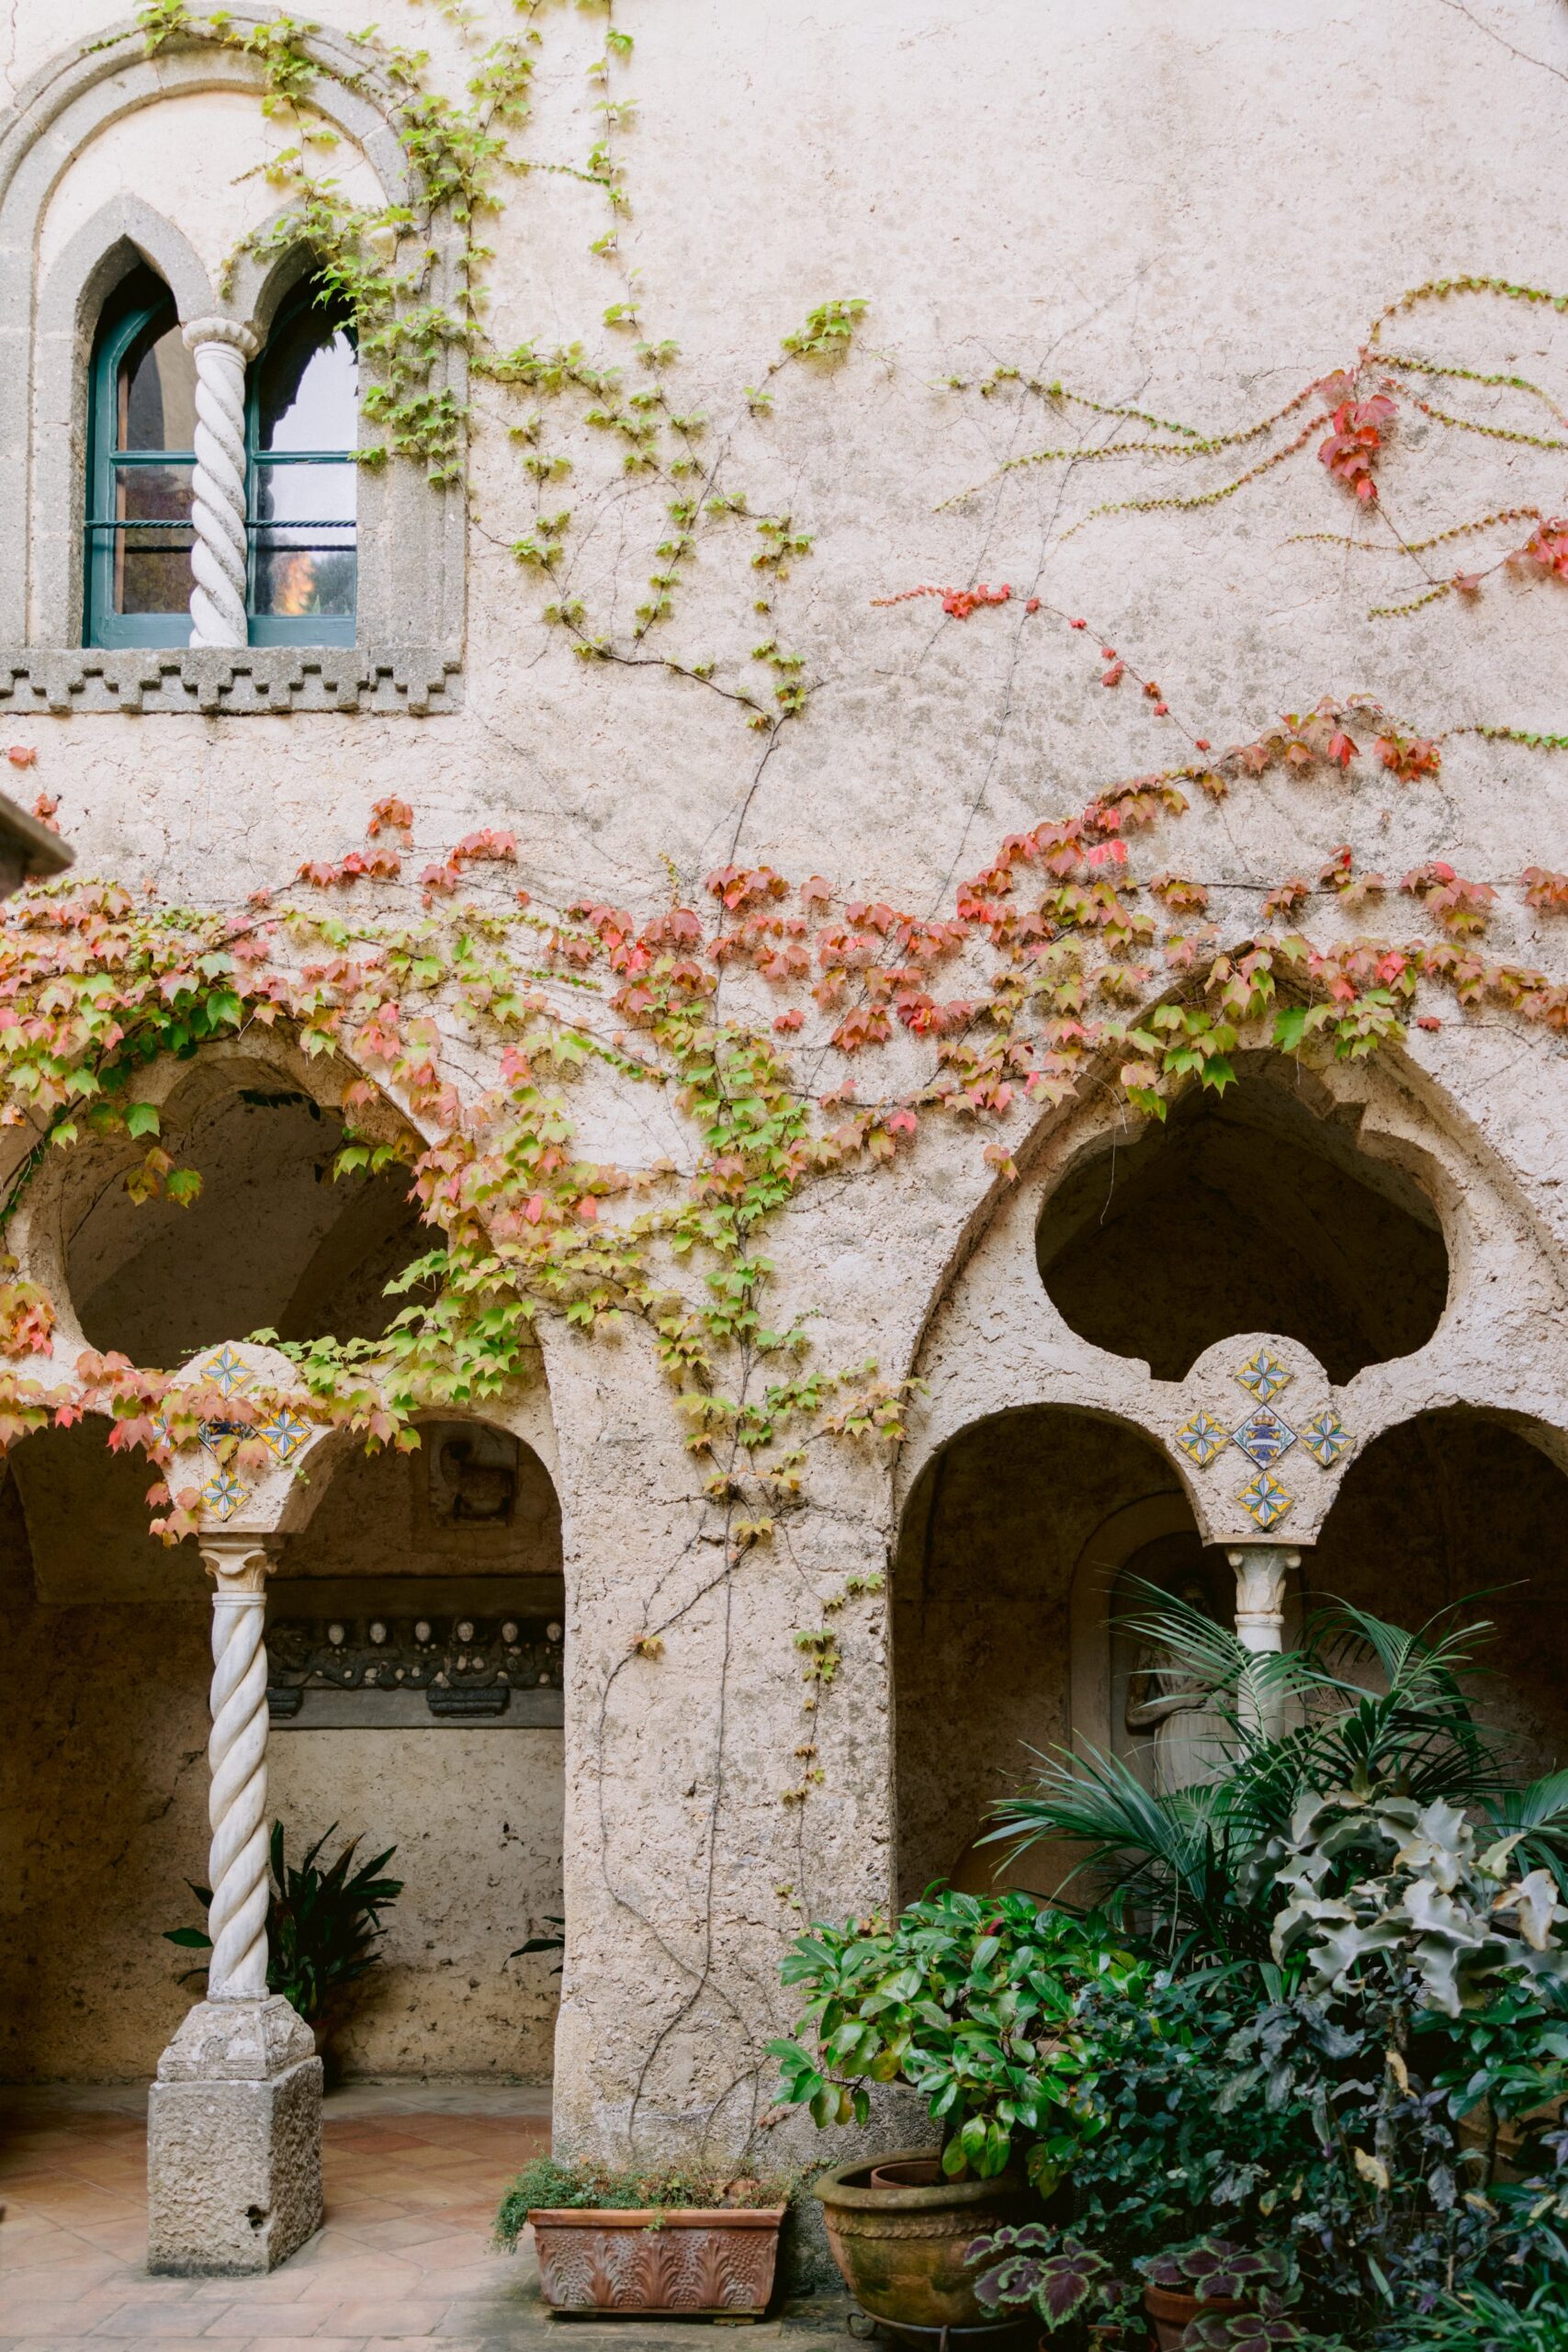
(717,2260)
(1169,2312)
(899,2231)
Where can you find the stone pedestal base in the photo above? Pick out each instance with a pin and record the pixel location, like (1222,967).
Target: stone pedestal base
(234,2142)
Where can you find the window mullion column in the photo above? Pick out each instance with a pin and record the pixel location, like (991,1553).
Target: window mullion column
(220,348)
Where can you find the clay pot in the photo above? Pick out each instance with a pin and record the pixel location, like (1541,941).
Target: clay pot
(713,2260)
(898,2229)
(1169,2311)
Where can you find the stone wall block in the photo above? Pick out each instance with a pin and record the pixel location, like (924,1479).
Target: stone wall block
(234,2142)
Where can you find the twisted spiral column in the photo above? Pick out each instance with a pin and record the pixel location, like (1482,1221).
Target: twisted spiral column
(236,1756)
(218,562)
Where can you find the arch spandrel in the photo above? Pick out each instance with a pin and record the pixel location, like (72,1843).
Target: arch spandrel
(993,1340)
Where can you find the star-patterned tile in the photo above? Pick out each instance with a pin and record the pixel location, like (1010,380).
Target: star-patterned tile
(1263,1437)
(223,1494)
(1265,1500)
(1264,1376)
(1202,1438)
(226,1370)
(1326,1438)
(284,1433)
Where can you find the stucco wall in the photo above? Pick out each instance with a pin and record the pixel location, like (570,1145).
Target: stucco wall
(1194,207)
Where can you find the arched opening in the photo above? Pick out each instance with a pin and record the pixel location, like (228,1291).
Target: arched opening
(1452,1504)
(1018,1544)
(141,460)
(274,1240)
(103,1764)
(303,428)
(1247,1212)
(415,1648)
(415,1634)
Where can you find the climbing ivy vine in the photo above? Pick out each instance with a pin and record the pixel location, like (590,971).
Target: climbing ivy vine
(1078,954)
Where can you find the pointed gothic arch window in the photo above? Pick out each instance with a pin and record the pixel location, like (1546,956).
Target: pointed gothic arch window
(302,405)
(141,433)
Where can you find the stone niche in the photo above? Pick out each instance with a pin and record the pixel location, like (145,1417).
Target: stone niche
(417,1614)
(440,1606)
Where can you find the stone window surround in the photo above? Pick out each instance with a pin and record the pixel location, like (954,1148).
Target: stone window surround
(411,536)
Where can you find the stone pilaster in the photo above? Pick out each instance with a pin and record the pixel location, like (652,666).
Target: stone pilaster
(234,2117)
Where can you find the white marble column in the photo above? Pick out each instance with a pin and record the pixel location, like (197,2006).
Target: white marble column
(1262,1570)
(221,347)
(234,2117)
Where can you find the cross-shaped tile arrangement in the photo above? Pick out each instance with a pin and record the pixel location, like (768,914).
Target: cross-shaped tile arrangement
(1265,1438)
(283,1433)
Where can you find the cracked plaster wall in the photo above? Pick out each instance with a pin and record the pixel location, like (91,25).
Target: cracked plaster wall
(1194,206)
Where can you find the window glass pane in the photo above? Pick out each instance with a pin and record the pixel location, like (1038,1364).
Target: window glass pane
(308,388)
(304,534)
(152,560)
(157,392)
(298,573)
(305,494)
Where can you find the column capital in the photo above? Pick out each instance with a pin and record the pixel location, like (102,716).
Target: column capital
(1260,1573)
(238,1565)
(242,339)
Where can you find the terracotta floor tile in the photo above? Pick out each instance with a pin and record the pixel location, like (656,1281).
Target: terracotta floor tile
(285,2286)
(401,2234)
(457,2246)
(246,2319)
(78,2207)
(384,2319)
(412,2180)
(463,2279)
(152,2323)
(126,2238)
(71,2268)
(361,2273)
(369,2136)
(318,2344)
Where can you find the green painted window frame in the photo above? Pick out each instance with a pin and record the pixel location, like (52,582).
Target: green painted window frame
(122,323)
(277,628)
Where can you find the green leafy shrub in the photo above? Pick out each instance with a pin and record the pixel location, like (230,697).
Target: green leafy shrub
(971,2001)
(1357,2048)
(323,1922)
(545,2185)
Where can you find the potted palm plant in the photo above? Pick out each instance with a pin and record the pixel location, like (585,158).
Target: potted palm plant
(323,1924)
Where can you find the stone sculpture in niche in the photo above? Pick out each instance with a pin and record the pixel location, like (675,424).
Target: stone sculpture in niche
(473,1478)
(1177,1702)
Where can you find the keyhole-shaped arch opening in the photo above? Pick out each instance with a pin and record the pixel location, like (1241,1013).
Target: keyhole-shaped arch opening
(1246,1212)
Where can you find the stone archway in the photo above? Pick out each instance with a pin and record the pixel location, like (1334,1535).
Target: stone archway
(1459,1505)
(1001,1615)
(416,1689)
